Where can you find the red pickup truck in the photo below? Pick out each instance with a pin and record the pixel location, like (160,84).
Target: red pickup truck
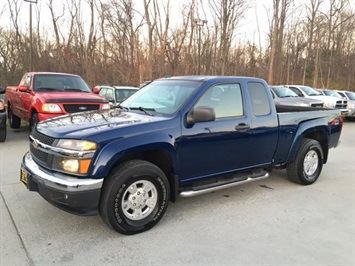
(42,95)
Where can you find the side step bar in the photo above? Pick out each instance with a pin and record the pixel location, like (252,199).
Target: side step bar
(217,185)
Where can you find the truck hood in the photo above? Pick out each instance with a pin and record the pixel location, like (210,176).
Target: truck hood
(297,101)
(83,124)
(57,97)
(326,99)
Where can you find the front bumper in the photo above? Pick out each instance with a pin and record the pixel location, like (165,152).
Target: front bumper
(351,112)
(79,196)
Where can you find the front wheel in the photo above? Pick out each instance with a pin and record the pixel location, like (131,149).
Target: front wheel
(134,197)
(308,164)
(34,121)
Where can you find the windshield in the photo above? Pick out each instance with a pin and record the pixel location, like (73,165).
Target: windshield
(351,95)
(122,94)
(332,93)
(283,92)
(50,82)
(310,91)
(162,97)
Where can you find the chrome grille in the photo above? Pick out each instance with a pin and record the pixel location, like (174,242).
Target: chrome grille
(342,104)
(39,157)
(42,138)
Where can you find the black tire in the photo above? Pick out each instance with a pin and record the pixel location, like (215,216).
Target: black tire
(308,164)
(14,120)
(34,121)
(126,194)
(2,134)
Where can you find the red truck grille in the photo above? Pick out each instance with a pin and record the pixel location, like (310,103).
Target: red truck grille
(73,108)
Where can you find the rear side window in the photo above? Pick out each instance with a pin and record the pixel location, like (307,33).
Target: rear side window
(260,104)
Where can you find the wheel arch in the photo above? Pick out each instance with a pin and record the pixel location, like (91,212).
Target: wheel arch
(319,134)
(160,156)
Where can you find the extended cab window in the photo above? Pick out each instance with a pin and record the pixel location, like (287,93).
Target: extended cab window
(260,103)
(225,99)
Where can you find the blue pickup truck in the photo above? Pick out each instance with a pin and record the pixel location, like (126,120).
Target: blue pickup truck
(177,136)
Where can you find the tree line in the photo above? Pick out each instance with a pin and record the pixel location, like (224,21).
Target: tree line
(311,42)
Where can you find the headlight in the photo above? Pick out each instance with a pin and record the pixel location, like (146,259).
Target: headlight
(2,107)
(106,106)
(51,108)
(71,163)
(76,145)
(329,105)
(76,166)
(304,105)
(351,105)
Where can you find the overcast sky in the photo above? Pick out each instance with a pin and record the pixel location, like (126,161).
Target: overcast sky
(256,18)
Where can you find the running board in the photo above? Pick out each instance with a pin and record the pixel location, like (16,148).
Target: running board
(194,191)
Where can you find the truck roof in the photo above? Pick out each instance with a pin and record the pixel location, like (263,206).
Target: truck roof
(52,73)
(208,78)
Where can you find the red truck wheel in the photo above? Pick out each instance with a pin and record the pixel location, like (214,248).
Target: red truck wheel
(14,120)
(308,164)
(134,197)
(34,120)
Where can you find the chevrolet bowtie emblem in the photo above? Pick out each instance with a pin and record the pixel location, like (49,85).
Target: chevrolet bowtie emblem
(35,144)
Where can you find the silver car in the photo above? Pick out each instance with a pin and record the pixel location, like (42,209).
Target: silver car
(350,96)
(284,96)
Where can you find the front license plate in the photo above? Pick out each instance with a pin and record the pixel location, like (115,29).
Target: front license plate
(23,176)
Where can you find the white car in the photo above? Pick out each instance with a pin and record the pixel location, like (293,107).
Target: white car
(329,102)
(350,96)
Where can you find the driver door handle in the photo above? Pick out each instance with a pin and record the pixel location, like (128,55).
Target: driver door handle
(242,126)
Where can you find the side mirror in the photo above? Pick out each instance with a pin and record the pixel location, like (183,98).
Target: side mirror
(23,88)
(96,90)
(2,90)
(201,114)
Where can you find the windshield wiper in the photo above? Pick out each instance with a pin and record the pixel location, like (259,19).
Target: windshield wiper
(145,110)
(122,107)
(74,89)
(46,89)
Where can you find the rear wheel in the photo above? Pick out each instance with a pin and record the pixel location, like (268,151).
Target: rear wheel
(134,197)
(14,120)
(308,164)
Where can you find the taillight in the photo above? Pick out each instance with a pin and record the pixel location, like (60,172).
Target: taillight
(338,122)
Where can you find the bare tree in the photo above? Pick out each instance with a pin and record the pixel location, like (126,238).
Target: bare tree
(227,14)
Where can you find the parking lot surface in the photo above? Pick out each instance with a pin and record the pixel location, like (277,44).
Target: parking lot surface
(269,222)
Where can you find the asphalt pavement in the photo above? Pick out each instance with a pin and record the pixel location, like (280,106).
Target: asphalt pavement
(269,222)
